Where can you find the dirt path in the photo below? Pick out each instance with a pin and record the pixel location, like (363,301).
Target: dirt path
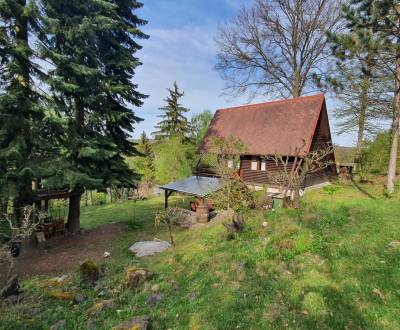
(64,253)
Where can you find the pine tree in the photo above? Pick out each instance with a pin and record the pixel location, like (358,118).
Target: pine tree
(383,18)
(145,164)
(360,82)
(20,108)
(174,123)
(92,46)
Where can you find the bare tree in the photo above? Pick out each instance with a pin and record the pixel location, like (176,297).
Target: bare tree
(8,244)
(276,46)
(224,157)
(293,170)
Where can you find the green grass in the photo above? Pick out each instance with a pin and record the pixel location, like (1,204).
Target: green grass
(327,266)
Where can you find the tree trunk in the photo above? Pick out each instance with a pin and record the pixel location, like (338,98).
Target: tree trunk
(363,110)
(23,82)
(74,211)
(395,129)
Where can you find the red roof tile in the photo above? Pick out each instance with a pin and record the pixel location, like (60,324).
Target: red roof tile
(272,127)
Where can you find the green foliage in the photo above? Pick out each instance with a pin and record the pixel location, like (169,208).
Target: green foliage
(21,108)
(91,82)
(200,123)
(143,164)
(173,160)
(224,157)
(331,190)
(173,123)
(362,84)
(234,195)
(375,155)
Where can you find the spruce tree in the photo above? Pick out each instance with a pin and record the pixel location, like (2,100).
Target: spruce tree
(173,123)
(20,109)
(383,18)
(91,45)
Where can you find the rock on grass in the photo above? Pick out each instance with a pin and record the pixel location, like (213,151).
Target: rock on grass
(89,272)
(99,307)
(134,277)
(135,323)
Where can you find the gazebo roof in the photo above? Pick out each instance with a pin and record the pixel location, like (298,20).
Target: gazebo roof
(195,185)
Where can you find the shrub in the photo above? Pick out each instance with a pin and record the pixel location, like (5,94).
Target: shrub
(168,218)
(235,226)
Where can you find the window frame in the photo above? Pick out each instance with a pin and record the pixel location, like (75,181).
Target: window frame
(263,162)
(254,160)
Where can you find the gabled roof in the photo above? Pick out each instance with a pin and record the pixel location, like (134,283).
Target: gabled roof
(268,128)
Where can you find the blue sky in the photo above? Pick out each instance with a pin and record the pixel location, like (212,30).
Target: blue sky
(182,48)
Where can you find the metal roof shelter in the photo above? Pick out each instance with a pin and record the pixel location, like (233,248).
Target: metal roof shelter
(198,186)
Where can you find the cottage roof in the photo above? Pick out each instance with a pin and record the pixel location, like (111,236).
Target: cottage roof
(268,128)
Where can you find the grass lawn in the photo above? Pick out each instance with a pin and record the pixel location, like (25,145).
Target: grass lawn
(327,266)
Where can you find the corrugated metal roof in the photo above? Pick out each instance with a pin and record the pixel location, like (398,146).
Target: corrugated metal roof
(195,185)
(268,128)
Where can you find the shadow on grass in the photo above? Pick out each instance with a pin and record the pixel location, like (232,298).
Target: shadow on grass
(362,190)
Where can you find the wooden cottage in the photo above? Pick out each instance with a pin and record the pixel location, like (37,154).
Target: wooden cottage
(279,127)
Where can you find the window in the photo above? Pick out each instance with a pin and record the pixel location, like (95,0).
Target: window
(230,163)
(263,166)
(254,164)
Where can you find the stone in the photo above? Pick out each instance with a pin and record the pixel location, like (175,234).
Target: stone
(107,254)
(135,323)
(89,272)
(154,299)
(134,277)
(192,296)
(155,288)
(100,306)
(265,224)
(62,295)
(394,244)
(61,324)
(90,324)
(149,248)
(55,282)
(79,298)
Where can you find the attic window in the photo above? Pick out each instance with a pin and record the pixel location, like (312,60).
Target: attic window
(263,166)
(254,164)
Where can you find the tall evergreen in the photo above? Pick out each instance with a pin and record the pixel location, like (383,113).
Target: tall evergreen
(144,146)
(383,18)
(173,123)
(20,110)
(91,45)
(360,82)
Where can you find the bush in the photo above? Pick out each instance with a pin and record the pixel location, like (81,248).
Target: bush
(173,160)
(234,195)
(98,198)
(375,155)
